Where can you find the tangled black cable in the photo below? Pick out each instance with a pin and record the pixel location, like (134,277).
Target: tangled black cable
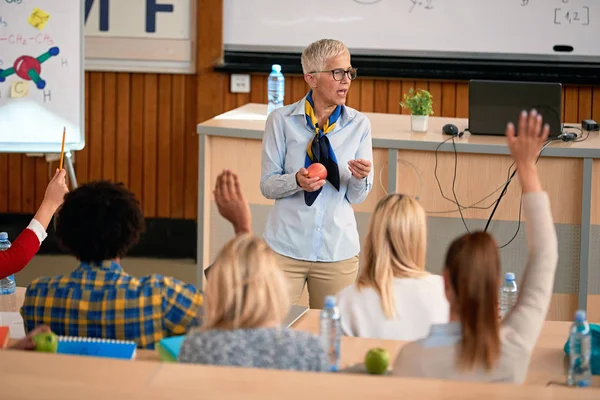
(495,203)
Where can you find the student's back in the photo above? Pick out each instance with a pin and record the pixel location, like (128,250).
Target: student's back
(394,297)
(273,348)
(98,223)
(247,302)
(103,301)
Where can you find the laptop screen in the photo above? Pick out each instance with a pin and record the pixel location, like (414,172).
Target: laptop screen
(492,104)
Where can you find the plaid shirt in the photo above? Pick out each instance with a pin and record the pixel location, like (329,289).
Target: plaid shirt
(103,301)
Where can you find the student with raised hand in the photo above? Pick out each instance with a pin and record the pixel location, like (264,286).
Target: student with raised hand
(475,345)
(27,244)
(394,297)
(246,302)
(98,223)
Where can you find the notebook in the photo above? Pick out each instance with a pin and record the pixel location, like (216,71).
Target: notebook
(168,348)
(82,346)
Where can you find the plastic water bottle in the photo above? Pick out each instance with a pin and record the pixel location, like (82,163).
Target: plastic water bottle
(276,88)
(331,332)
(508,293)
(580,352)
(8,287)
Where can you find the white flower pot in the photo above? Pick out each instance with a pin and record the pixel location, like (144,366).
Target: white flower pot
(419,123)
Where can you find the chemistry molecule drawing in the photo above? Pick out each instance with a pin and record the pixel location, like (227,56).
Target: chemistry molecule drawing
(29,68)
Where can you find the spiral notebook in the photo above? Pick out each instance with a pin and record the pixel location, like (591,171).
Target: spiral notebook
(96,347)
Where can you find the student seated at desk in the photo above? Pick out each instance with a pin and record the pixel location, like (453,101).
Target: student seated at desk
(98,223)
(27,244)
(394,297)
(475,345)
(247,299)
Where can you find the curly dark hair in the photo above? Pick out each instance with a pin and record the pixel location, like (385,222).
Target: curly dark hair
(99,221)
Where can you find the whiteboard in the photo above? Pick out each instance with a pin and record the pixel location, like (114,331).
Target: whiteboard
(41,75)
(518,29)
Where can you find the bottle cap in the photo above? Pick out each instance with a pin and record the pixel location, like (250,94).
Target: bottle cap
(276,68)
(509,276)
(580,316)
(3,236)
(329,301)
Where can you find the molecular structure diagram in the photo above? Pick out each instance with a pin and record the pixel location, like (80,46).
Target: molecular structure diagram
(29,68)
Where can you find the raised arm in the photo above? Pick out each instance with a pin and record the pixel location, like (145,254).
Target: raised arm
(528,315)
(28,242)
(361,167)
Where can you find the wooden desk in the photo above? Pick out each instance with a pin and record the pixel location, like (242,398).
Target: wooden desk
(547,362)
(404,162)
(27,375)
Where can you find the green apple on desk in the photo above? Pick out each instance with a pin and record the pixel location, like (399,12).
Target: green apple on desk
(377,361)
(46,342)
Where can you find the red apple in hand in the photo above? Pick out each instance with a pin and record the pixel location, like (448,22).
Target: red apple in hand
(317,169)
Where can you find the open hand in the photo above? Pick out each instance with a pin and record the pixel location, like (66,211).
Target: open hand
(530,138)
(309,184)
(232,203)
(359,168)
(526,146)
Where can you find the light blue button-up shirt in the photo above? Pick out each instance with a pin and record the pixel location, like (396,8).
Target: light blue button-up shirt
(325,231)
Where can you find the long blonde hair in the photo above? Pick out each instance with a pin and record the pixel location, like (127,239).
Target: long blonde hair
(395,247)
(246,288)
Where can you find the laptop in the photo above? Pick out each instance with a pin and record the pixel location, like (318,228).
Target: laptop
(492,104)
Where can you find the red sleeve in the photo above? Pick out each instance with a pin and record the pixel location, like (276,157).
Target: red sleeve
(20,253)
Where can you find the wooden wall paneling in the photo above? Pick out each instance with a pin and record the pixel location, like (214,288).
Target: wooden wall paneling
(258,89)
(28,184)
(109,114)
(41,179)
(584,108)
(150,144)
(381,93)
(299,88)
(367,100)
(354,94)
(190,191)
(15,180)
(164,138)
(287,99)
(406,86)
(123,128)
(448,99)
(421,84)
(242,99)
(229,100)
(136,134)
(435,88)
(394,96)
(571,104)
(178,133)
(96,126)
(596,104)
(462,99)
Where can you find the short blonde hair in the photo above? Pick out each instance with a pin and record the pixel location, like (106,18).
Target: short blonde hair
(246,288)
(395,247)
(315,56)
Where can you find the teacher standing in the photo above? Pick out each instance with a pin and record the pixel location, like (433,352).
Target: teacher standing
(311,227)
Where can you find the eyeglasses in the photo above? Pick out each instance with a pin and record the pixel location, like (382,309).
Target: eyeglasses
(338,74)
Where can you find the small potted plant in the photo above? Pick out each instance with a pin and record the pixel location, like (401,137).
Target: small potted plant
(420,104)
